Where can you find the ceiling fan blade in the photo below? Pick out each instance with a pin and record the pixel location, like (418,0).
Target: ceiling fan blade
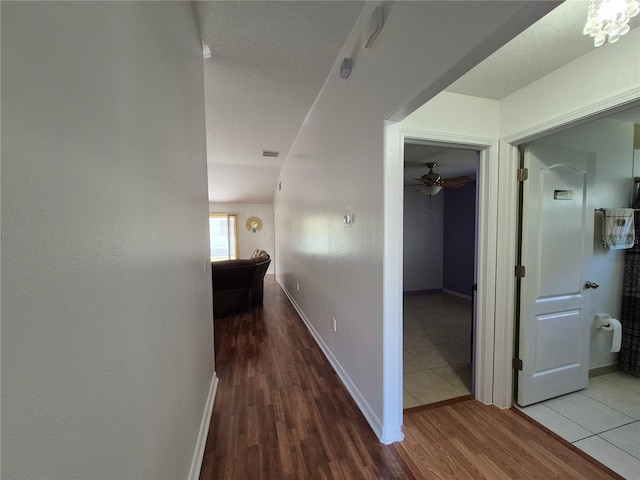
(454,185)
(462,179)
(407,186)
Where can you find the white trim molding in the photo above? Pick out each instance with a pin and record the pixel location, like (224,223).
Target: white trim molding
(505,277)
(392,300)
(201,442)
(486,277)
(507,241)
(487,252)
(588,113)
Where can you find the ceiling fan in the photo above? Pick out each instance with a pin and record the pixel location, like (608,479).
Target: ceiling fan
(433,182)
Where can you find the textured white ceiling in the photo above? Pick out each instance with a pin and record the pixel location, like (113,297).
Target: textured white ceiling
(271,58)
(553,41)
(269,62)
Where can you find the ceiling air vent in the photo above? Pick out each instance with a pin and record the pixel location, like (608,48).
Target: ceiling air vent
(270,153)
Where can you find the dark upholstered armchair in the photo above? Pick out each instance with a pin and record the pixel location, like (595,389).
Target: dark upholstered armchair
(238,284)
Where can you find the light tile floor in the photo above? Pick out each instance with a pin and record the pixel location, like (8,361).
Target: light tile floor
(603,420)
(437,348)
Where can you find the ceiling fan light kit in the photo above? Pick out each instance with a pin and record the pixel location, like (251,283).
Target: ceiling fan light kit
(430,190)
(433,182)
(431,178)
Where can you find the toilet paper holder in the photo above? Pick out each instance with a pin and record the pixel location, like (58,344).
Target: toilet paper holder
(604,321)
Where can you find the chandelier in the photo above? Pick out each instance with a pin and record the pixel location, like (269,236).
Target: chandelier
(608,20)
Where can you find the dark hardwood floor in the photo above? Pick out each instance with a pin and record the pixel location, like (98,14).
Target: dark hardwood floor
(281,412)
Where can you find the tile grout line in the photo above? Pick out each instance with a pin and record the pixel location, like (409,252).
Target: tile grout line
(606,405)
(593,399)
(580,439)
(407,392)
(454,386)
(615,428)
(617,384)
(613,445)
(570,419)
(419,321)
(602,377)
(587,437)
(599,434)
(565,417)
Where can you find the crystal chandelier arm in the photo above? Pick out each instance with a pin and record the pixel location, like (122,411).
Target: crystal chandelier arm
(608,20)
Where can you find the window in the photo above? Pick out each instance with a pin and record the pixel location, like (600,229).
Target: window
(223,236)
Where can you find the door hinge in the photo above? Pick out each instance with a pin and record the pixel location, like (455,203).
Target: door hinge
(517,364)
(520,271)
(523,174)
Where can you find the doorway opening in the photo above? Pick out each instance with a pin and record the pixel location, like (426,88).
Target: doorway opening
(586,398)
(439,271)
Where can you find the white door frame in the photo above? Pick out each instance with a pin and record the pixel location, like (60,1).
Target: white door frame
(487,183)
(507,239)
(497,238)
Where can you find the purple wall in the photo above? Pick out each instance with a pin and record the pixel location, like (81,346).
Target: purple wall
(459,238)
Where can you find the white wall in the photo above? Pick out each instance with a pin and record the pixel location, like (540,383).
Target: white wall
(571,93)
(249,241)
(579,87)
(612,143)
(457,114)
(107,338)
(423,241)
(423,238)
(337,164)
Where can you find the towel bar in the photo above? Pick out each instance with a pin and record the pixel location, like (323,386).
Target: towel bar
(604,210)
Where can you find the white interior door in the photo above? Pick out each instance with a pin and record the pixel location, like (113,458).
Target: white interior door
(557,243)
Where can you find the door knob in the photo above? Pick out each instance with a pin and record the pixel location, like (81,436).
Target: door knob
(589,284)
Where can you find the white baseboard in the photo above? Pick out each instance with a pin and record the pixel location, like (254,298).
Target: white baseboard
(385,437)
(457,294)
(392,435)
(198,454)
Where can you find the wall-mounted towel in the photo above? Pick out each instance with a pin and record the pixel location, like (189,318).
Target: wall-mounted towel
(617,228)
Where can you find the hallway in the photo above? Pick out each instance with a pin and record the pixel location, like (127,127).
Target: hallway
(281,412)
